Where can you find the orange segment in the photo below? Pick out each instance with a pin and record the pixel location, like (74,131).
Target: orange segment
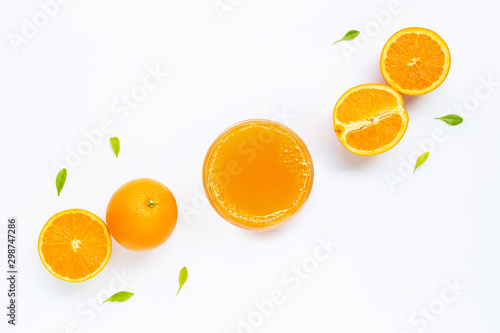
(370,119)
(370,138)
(415,61)
(74,245)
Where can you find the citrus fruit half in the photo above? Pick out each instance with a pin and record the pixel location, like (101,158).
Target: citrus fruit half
(415,61)
(370,119)
(74,245)
(141,214)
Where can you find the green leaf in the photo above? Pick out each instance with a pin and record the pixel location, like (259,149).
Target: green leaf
(120,296)
(452,119)
(60,180)
(115,144)
(348,36)
(421,160)
(183,276)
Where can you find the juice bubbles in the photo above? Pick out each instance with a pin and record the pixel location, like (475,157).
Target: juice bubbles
(258,174)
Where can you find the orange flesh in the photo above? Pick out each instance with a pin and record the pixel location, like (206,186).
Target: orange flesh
(366,104)
(258,174)
(376,136)
(415,61)
(370,119)
(74,246)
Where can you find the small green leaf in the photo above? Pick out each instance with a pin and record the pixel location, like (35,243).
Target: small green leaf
(421,160)
(348,36)
(452,119)
(115,143)
(60,180)
(120,296)
(183,276)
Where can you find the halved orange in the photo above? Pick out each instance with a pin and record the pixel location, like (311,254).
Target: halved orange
(370,119)
(74,245)
(415,61)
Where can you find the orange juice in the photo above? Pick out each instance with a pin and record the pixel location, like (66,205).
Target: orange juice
(258,174)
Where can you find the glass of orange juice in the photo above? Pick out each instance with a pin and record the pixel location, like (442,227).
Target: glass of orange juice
(258,174)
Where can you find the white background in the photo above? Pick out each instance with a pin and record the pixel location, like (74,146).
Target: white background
(397,246)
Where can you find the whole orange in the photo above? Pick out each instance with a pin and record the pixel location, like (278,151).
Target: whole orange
(141,214)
